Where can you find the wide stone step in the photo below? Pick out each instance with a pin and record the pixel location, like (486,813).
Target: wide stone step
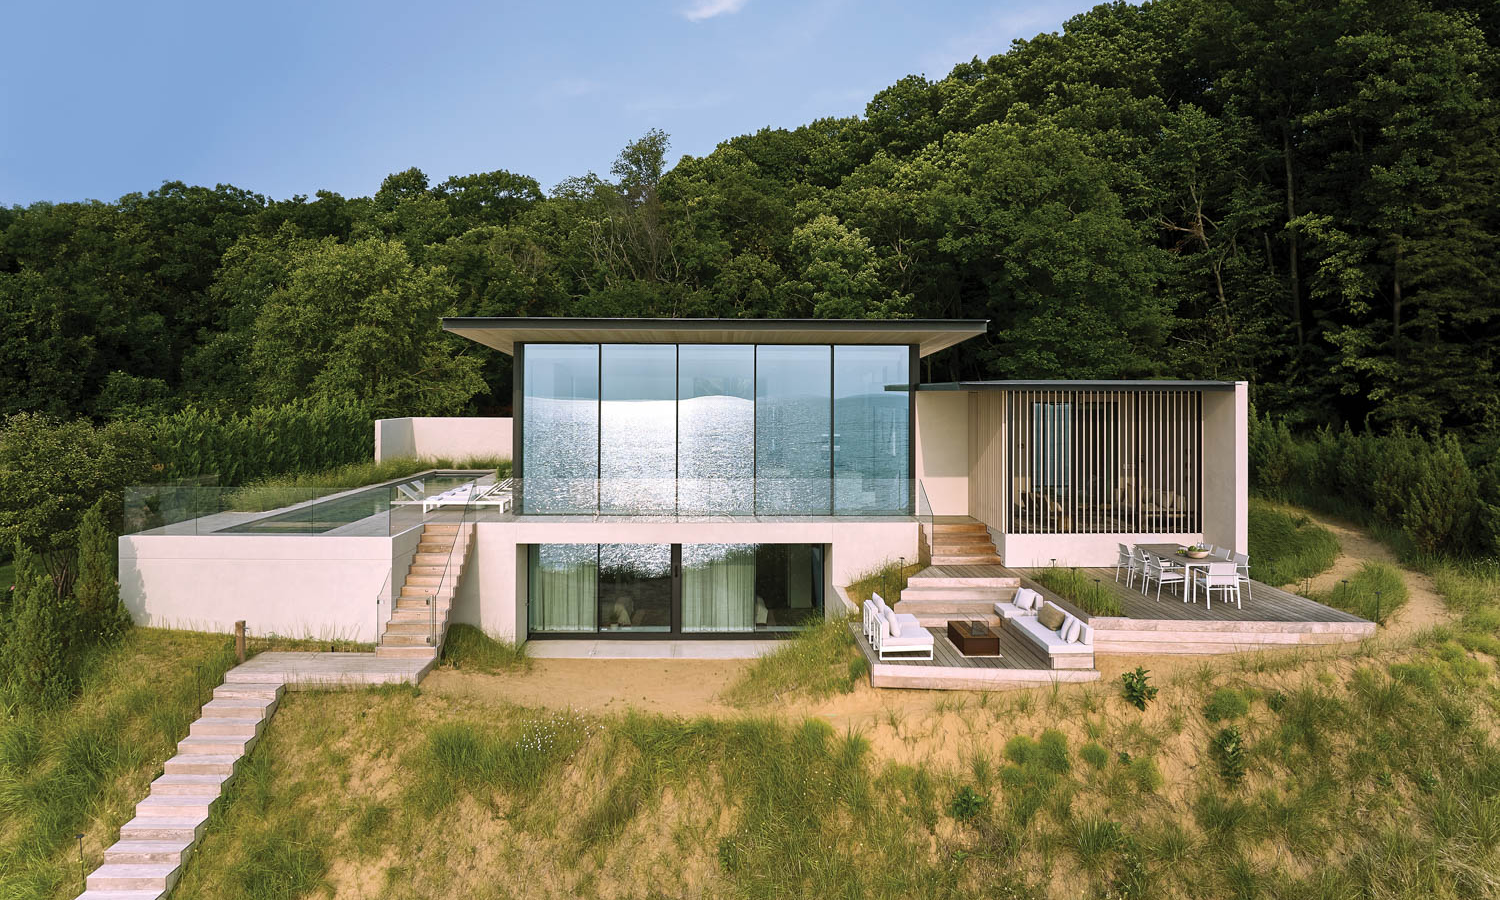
(426,546)
(248,689)
(121,895)
(217,745)
(960,592)
(156,806)
(226,726)
(412,639)
(171,784)
(426,570)
(397,652)
(440,560)
(410,615)
(439,528)
(174,828)
(922,582)
(424,626)
(420,590)
(157,852)
(201,764)
(957,527)
(433,579)
(237,707)
(971,549)
(978,560)
(133,877)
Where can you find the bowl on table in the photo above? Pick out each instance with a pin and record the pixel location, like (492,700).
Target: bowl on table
(1194,554)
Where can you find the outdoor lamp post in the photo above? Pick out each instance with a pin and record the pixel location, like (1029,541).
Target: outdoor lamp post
(82,875)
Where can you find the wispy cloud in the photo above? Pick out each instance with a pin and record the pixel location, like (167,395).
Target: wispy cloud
(991,34)
(707,9)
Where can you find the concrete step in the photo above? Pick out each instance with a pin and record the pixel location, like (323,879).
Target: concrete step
(158,852)
(155,828)
(420,590)
(439,528)
(980,560)
(133,877)
(959,592)
(941,620)
(424,652)
(216,745)
(415,639)
(202,764)
(953,609)
(157,806)
(236,707)
(434,579)
(194,785)
(923,582)
(226,726)
(121,895)
(966,549)
(426,570)
(440,560)
(426,546)
(422,626)
(232,690)
(412,615)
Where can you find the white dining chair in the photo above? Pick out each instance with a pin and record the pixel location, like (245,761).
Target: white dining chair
(1165,572)
(1220,553)
(1242,569)
(1129,561)
(1221,577)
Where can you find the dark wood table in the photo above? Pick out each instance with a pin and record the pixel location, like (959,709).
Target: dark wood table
(973,638)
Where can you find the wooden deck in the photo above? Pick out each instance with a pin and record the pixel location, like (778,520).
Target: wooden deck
(1019,664)
(1269,617)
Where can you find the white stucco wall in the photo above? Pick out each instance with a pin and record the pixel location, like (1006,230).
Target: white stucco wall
(1226,467)
(451,437)
(492,595)
(312,586)
(942,451)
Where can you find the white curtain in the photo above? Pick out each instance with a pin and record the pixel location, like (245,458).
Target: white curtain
(718,587)
(563,587)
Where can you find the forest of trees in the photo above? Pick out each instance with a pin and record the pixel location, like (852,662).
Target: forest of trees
(1300,194)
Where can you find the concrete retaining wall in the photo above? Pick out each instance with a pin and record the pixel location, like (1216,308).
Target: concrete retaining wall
(442,436)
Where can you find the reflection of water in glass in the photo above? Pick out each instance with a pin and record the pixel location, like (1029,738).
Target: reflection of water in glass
(701,455)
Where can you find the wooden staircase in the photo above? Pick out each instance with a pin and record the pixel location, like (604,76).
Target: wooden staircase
(961,541)
(420,611)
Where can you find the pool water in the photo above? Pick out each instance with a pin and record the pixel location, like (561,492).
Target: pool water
(325,515)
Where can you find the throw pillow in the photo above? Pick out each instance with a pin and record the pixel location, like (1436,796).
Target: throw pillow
(1051,616)
(1023,599)
(890,619)
(1080,634)
(1070,633)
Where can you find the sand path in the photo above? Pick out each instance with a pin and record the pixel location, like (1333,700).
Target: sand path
(1424,606)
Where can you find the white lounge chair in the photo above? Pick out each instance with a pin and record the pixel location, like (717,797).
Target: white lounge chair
(900,638)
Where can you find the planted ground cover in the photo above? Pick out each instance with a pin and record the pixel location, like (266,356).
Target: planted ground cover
(820,662)
(82,767)
(1286,546)
(1375,591)
(1080,589)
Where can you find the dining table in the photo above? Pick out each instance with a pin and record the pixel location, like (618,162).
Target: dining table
(1175,553)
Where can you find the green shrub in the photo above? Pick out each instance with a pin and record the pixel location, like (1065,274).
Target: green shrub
(1137,688)
(1374,592)
(96,593)
(1272,453)
(1442,500)
(1228,750)
(1226,703)
(301,436)
(34,661)
(967,804)
(1286,547)
(1094,755)
(469,648)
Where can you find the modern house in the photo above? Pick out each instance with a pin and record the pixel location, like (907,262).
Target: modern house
(686,479)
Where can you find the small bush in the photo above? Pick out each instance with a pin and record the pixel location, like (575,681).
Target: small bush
(1094,755)
(1095,840)
(1137,688)
(1228,749)
(967,804)
(469,648)
(1224,704)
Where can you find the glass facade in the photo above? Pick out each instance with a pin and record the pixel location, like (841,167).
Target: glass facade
(662,589)
(560,444)
(703,429)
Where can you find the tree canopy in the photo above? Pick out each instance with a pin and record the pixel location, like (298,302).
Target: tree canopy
(1303,195)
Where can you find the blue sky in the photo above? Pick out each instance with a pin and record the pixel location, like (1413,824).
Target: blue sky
(97,100)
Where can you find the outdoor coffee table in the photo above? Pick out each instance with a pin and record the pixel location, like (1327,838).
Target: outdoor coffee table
(973,638)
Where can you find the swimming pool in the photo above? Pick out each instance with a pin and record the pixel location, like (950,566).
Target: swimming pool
(339,510)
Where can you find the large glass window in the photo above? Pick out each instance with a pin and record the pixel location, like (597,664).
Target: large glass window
(638,428)
(560,432)
(562,583)
(793,400)
(635,587)
(660,589)
(871,430)
(716,429)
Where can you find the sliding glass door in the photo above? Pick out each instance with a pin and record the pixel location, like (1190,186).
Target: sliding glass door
(665,590)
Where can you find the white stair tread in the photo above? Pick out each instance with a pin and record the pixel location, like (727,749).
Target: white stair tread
(129,850)
(134,870)
(121,895)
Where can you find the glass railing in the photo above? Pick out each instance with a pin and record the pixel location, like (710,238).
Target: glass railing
(924,521)
(467,501)
(374,510)
(747,496)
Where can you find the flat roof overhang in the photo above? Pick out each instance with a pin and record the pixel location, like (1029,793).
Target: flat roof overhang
(929,335)
(1064,385)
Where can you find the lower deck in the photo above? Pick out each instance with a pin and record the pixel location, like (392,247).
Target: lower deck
(1020,664)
